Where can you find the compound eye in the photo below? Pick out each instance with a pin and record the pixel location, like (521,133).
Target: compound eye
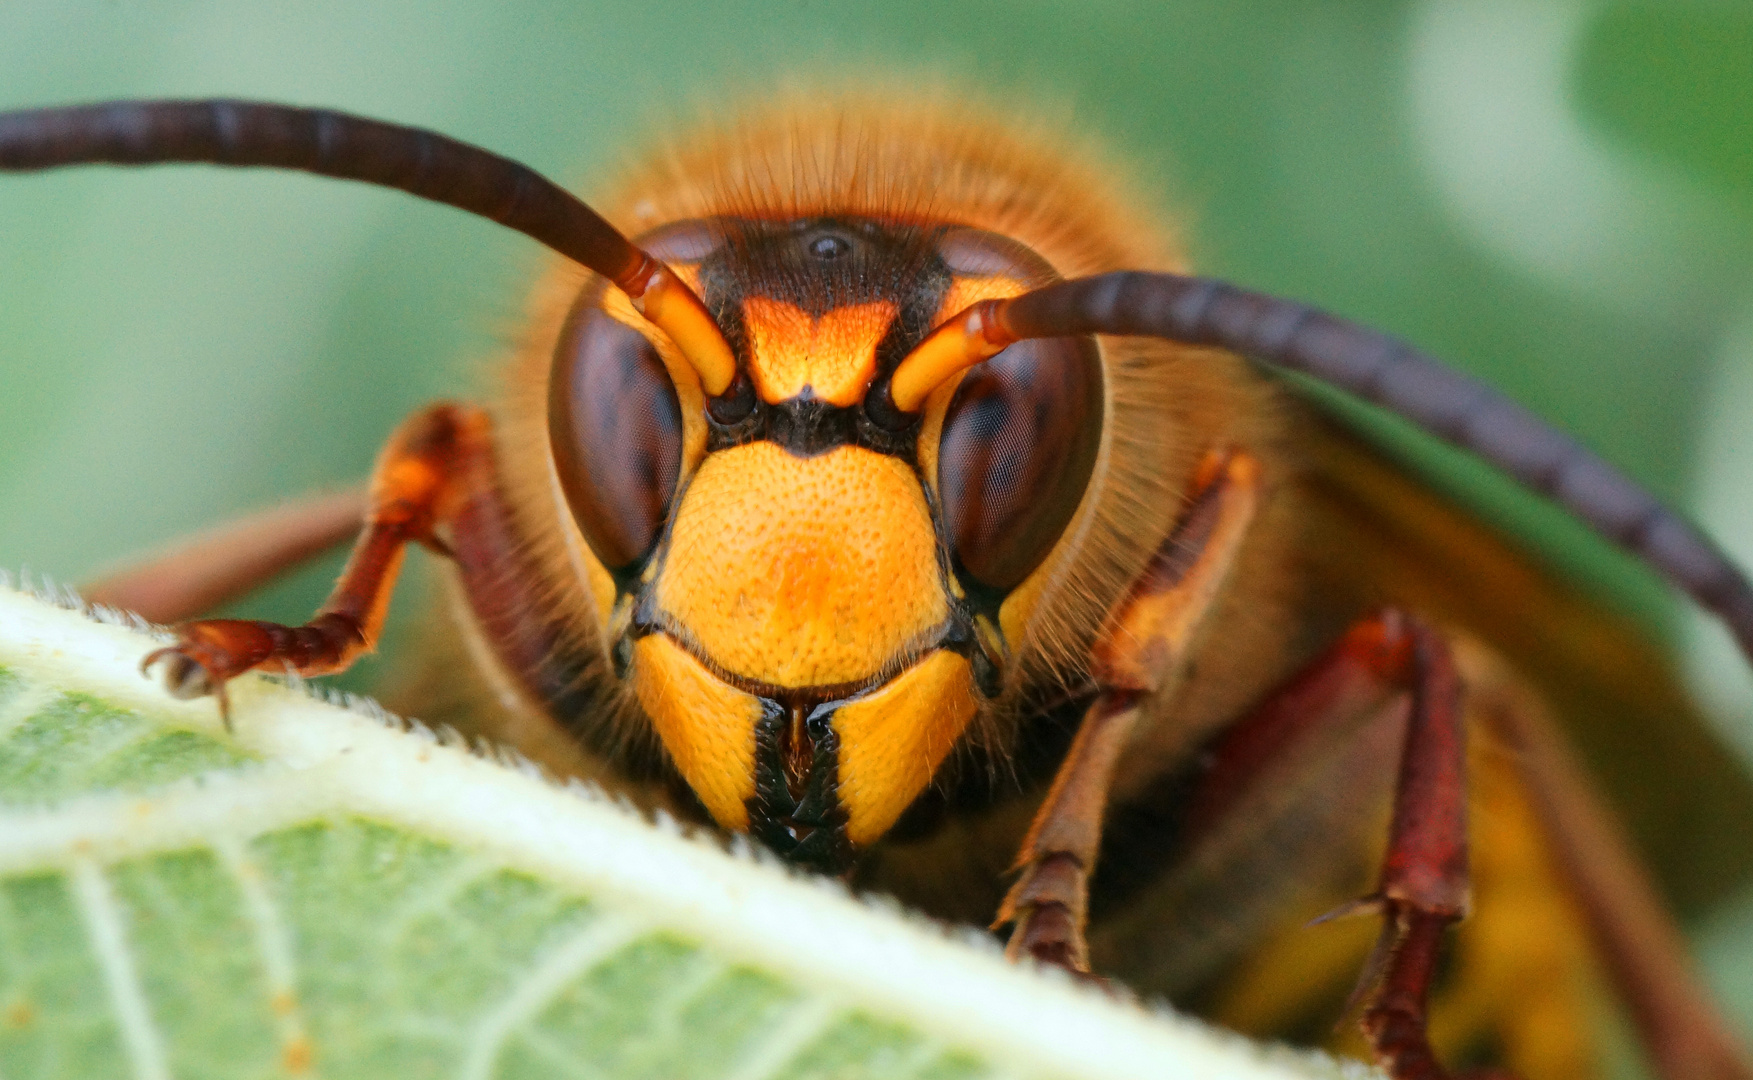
(1019,442)
(616,430)
(691,240)
(971,252)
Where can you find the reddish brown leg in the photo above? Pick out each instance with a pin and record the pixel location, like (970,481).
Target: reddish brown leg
(218,566)
(1424,884)
(1684,1035)
(421,479)
(1139,653)
(1424,881)
(1050,901)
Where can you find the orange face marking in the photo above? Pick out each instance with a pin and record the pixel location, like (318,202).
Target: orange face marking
(801,572)
(707,726)
(892,741)
(834,356)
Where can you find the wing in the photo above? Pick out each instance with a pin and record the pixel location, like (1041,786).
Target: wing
(1686,801)
(1217,917)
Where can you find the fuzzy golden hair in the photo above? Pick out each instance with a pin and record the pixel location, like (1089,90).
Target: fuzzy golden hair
(937,161)
(925,159)
(1340,529)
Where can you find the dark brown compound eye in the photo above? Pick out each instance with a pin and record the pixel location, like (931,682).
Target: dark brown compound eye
(616,430)
(1019,442)
(971,252)
(614,422)
(680,243)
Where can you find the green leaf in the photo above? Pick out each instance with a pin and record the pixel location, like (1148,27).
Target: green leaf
(334,892)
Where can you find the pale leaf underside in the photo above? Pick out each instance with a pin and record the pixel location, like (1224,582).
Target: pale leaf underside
(334,893)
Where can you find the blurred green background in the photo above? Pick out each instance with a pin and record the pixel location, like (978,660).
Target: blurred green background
(1557,197)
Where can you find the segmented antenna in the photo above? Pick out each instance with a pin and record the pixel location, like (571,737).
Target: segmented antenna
(1392,374)
(347,147)
(333,144)
(1279,333)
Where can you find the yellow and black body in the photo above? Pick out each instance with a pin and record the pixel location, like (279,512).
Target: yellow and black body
(872,652)
(831,568)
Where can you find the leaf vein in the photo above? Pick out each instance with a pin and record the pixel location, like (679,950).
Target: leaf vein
(800,1027)
(103,920)
(273,941)
(602,938)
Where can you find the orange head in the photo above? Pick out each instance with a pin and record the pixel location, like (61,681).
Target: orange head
(810,590)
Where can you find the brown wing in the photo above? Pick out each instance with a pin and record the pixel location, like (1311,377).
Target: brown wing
(1687,803)
(1220,923)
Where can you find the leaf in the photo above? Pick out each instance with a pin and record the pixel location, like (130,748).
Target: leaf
(334,892)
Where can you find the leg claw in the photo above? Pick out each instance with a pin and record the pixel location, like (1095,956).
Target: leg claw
(186,678)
